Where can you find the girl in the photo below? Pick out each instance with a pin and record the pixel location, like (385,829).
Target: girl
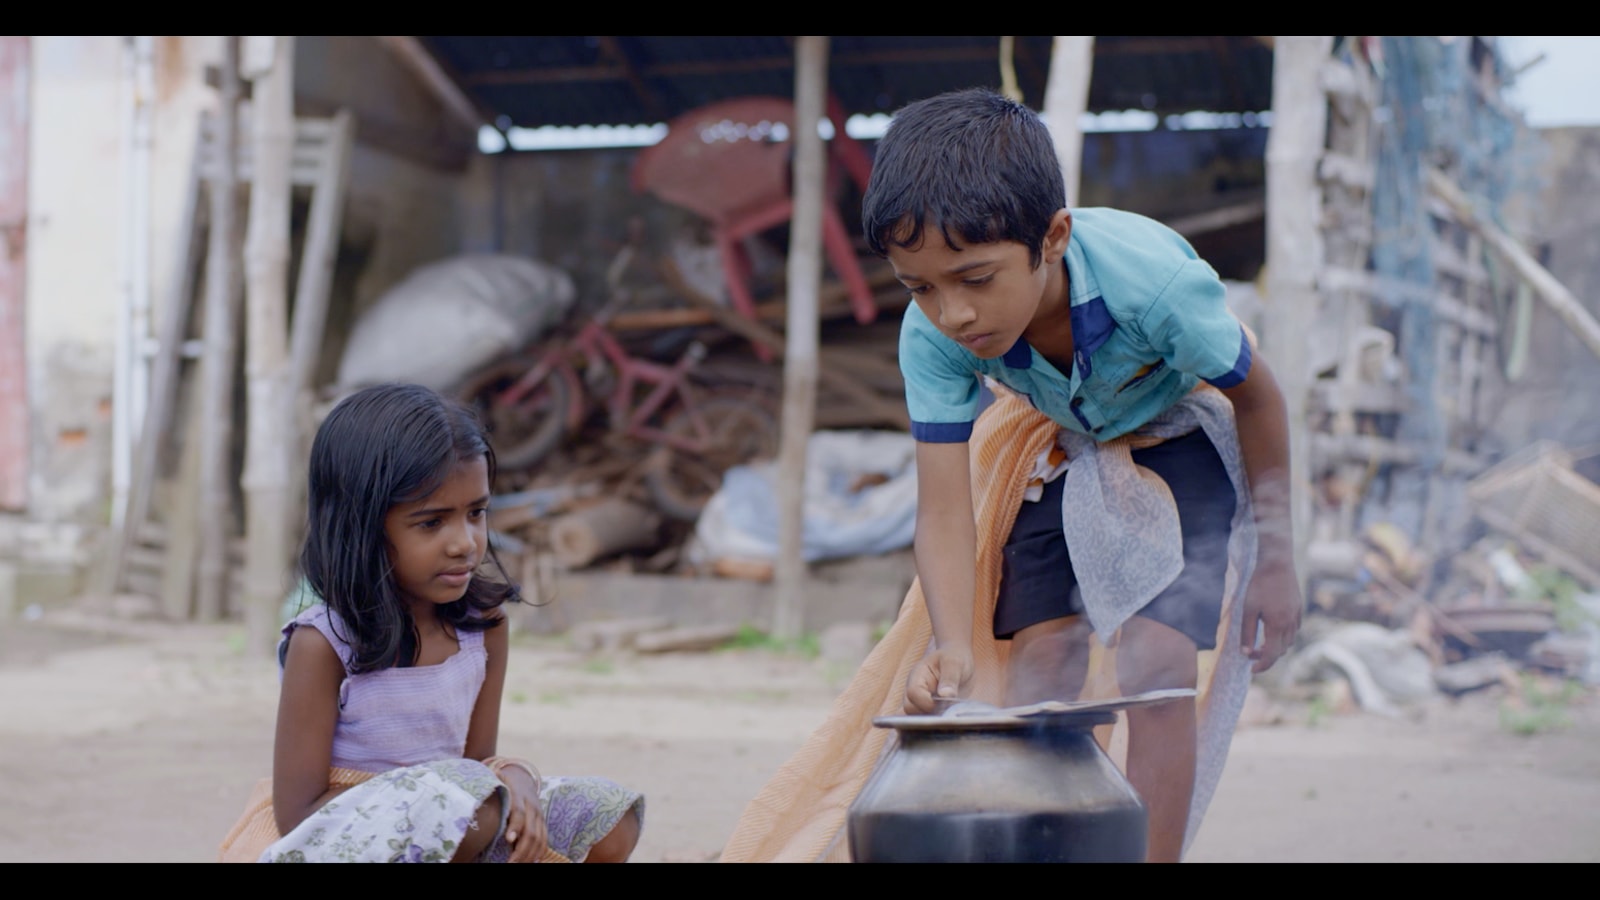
(390,706)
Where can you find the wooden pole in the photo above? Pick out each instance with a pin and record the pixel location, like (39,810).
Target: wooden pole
(1294,248)
(800,356)
(1546,286)
(1066,98)
(217,360)
(266,472)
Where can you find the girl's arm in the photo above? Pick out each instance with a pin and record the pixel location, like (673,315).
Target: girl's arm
(308,711)
(946,555)
(483,731)
(526,831)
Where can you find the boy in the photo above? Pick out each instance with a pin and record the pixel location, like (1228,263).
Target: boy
(1107,322)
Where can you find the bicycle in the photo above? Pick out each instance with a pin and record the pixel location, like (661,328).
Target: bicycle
(534,401)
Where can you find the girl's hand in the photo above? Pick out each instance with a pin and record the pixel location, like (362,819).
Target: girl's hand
(525,825)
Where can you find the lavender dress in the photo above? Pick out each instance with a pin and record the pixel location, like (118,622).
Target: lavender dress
(409,725)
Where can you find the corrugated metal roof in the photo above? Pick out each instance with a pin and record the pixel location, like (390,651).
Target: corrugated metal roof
(628,80)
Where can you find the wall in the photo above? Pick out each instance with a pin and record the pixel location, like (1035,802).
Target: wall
(1554,398)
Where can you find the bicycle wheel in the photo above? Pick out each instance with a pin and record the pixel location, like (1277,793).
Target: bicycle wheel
(527,432)
(741,430)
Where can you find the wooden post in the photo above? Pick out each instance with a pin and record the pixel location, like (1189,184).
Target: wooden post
(266,472)
(217,357)
(1066,98)
(1294,247)
(800,356)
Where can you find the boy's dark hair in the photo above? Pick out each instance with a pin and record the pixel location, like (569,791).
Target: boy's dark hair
(970,163)
(383,445)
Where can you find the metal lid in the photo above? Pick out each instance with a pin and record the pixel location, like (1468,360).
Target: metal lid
(976,715)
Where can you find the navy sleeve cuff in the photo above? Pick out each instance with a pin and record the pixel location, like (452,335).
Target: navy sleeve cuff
(1241,367)
(941,432)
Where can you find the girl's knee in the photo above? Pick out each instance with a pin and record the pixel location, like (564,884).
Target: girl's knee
(482,832)
(618,844)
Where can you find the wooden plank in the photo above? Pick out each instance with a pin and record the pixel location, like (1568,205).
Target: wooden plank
(1348,171)
(1392,292)
(165,371)
(1218,219)
(319,255)
(1328,448)
(1360,398)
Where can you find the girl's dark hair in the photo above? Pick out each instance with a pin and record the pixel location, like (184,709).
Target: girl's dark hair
(972,164)
(383,445)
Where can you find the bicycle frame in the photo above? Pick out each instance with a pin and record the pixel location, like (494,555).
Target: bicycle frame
(595,343)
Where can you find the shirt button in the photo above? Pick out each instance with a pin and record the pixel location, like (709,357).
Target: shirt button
(1077,402)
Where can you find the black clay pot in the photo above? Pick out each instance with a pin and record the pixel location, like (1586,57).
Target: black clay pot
(1000,787)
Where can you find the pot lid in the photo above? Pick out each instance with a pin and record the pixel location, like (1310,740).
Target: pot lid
(963,715)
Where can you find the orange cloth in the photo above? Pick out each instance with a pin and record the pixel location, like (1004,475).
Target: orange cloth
(800,814)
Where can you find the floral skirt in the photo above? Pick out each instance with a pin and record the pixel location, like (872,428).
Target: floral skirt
(421,813)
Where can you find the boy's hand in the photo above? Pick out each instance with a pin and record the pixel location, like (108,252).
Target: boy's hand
(941,674)
(1273,600)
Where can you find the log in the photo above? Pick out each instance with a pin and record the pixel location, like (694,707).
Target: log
(610,526)
(697,638)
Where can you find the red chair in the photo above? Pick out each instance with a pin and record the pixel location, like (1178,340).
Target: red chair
(722,163)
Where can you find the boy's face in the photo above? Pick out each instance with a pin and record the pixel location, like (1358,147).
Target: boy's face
(984,296)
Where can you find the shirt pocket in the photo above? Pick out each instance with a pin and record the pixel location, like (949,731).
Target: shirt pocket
(1141,377)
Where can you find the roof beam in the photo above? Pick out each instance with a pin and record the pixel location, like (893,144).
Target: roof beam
(438,78)
(622,68)
(630,72)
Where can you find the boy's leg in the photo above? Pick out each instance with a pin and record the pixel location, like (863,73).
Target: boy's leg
(1161,738)
(1049,661)
(1038,608)
(1158,648)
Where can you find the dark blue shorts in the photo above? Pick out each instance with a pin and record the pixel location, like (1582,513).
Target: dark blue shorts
(1036,576)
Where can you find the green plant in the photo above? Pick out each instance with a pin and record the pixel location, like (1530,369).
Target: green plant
(1548,584)
(1317,710)
(598,666)
(750,637)
(1538,709)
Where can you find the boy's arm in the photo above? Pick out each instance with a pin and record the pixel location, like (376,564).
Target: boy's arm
(946,551)
(1273,596)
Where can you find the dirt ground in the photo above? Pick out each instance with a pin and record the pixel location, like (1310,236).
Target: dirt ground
(140,744)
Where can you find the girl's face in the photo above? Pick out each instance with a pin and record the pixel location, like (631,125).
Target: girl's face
(436,543)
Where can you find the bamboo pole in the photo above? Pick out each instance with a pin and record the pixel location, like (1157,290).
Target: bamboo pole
(1066,98)
(217,363)
(800,356)
(266,472)
(1550,290)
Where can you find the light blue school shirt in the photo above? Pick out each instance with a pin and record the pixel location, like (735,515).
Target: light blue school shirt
(1150,319)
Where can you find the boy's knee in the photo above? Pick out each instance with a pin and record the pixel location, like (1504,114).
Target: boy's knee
(1155,657)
